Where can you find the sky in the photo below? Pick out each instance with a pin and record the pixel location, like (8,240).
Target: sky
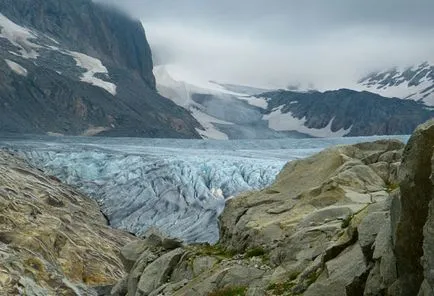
(275,43)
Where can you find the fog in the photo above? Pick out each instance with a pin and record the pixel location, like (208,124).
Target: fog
(328,44)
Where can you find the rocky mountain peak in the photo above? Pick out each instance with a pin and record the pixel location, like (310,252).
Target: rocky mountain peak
(415,82)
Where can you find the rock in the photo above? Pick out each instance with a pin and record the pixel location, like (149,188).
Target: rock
(416,194)
(153,238)
(202,264)
(344,274)
(373,285)
(121,288)
(323,228)
(137,270)
(428,251)
(393,173)
(425,289)
(368,230)
(131,252)
(381,169)
(391,156)
(158,272)
(103,290)
(52,248)
(171,243)
(56,98)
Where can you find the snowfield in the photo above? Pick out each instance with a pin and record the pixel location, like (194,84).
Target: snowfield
(287,122)
(20,37)
(178,186)
(93,66)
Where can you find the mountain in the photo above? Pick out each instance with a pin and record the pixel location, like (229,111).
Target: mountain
(80,68)
(343,112)
(224,113)
(228,111)
(416,83)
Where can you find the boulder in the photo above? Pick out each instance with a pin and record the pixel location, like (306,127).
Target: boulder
(131,252)
(368,230)
(158,272)
(345,274)
(416,195)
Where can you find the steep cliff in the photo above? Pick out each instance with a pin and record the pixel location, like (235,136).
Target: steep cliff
(76,67)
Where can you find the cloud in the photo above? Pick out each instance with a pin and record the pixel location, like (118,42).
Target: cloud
(279,42)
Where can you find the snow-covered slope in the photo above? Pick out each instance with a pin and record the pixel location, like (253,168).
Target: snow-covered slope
(229,111)
(207,102)
(415,83)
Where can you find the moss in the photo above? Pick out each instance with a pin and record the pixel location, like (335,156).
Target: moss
(97,279)
(291,287)
(35,268)
(215,250)
(230,291)
(35,264)
(312,277)
(391,186)
(255,252)
(346,222)
(281,288)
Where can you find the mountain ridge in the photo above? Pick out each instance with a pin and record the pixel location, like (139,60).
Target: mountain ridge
(80,68)
(411,82)
(227,112)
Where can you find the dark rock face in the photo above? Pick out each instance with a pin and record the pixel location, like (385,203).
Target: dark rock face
(366,113)
(412,239)
(93,29)
(52,96)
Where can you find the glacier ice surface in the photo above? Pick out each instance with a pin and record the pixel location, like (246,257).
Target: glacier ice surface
(178,186)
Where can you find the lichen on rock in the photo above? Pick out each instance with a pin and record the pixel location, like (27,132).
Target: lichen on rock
(53,240)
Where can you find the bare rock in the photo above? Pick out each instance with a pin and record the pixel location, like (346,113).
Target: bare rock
(416,194)
(53,240)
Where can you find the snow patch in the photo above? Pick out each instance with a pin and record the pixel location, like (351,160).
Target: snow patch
(206,121)
(20,37)
(279,121)
(257,102)
(20,70)
(93,66)
(170,84)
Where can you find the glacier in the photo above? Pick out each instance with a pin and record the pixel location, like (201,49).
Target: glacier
(177,186)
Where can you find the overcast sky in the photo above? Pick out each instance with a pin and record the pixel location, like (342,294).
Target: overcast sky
(274,43)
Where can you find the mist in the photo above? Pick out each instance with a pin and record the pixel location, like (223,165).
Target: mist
(327,44)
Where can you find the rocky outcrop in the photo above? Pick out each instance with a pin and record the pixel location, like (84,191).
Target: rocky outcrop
(351,220)
(323,228)
(414,232)
(53,240)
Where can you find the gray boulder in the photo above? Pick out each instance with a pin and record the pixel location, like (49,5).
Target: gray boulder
(416,194)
